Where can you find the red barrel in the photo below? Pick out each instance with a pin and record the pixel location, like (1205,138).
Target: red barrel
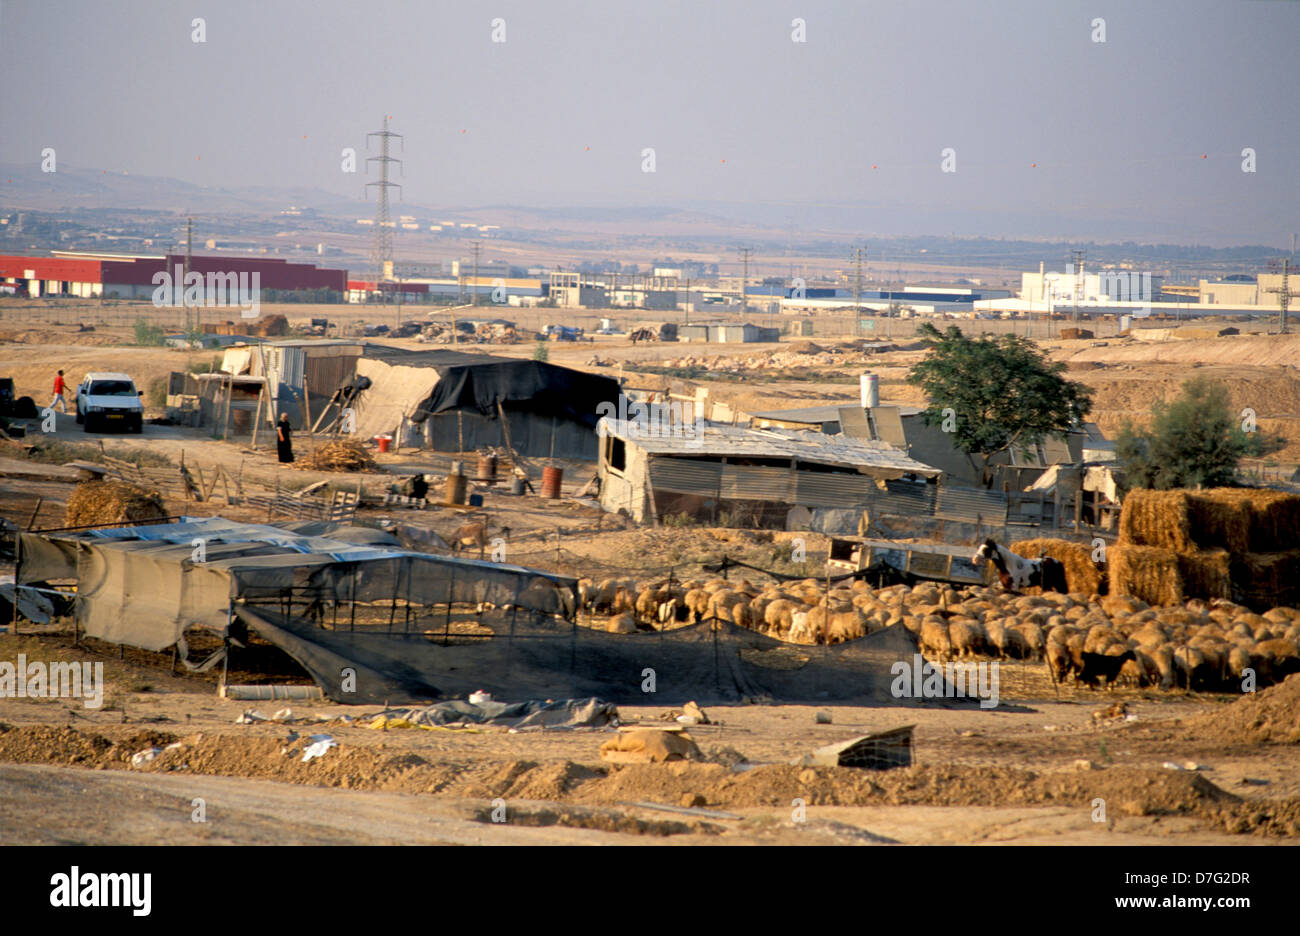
(384,442)
(551,480)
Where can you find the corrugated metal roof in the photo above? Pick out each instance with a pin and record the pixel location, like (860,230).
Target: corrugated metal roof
(829,412)
(730,441)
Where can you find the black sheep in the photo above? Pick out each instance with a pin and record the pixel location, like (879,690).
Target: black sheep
(1099,665)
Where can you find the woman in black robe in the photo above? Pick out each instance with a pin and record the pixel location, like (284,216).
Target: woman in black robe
(284,440)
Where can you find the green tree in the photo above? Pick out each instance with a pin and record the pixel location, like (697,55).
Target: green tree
(1193,441)
(995,393)
(540,352)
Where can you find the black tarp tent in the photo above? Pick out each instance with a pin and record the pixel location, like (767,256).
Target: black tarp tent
(454,399)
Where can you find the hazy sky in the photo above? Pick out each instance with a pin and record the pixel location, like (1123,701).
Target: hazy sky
(735,110)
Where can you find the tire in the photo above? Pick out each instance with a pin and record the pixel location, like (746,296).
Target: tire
(81,417)
(137,427)
(88,424)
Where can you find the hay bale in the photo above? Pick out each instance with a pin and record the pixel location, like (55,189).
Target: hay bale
(1219,518)
(1268,579)
(96,502)
(1147,573)
(1206,574)
(340,455)
(1272,517)
(1081,573)
(1157,519)
(1164,577)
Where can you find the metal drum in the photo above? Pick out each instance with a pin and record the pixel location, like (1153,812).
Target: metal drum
(551,480)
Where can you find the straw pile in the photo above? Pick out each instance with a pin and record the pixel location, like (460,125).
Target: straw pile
(1216,542)
(337,456)
(1206,574)
(1269,578)
(96,502)
(1147,573)
(1081,573)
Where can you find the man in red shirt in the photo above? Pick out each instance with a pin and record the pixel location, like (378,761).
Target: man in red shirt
(58,393)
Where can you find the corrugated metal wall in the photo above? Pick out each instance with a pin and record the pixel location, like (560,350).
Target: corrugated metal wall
(971,504)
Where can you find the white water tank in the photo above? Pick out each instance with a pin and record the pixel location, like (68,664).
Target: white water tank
(870,385)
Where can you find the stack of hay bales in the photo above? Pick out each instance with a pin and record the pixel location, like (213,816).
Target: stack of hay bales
(99,502)
(1081,573)
(1181,544)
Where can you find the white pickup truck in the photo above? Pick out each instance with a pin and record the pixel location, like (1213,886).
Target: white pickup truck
(106,401)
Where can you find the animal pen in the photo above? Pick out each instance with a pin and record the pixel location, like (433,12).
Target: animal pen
(371,624)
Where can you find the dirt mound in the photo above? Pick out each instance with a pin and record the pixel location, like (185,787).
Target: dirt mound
(96,502)
(1268,717)
(1127,791)
(337,456)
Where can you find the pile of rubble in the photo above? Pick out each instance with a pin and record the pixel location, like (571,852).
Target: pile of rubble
(805,354)
(467,333)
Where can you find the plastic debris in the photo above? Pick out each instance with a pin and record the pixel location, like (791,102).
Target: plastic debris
(145,756)
(479,697)
(320,743)
(250,716)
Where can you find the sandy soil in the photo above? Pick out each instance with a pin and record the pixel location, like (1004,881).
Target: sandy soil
(1011,775)
(1029,771)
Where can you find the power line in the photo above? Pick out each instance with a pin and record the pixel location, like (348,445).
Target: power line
(1077,257)
(744,280)
(381,247)
(476,247)
(857,278)
(1284,294)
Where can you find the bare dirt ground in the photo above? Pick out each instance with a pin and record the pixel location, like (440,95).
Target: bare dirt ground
(1029,771)
(1005,776)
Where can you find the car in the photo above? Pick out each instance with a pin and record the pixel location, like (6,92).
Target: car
(109,400)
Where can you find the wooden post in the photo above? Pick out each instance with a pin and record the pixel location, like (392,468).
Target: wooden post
(31,523)
(230,393)
(1078,508)
(306,409)
(1056,508)
(257,417)
(18,565)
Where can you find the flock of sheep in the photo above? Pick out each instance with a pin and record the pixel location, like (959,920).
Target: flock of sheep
(1090,639)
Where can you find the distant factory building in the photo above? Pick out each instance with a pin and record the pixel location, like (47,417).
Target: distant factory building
(603,290)
(491,290)
(726,332)
(131,276)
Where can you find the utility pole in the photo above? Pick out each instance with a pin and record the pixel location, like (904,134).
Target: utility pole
(1284,294)
(857,278)
(1077,266)
(189,255)
(744,281)
(857,289)
(476,247)
(381,248)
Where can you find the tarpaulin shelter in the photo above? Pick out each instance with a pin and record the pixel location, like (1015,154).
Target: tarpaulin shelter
(371,623)
(454,401)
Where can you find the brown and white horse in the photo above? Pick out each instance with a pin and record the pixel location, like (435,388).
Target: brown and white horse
(1016,572)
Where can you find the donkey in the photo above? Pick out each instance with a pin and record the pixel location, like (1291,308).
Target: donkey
(1016,572)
